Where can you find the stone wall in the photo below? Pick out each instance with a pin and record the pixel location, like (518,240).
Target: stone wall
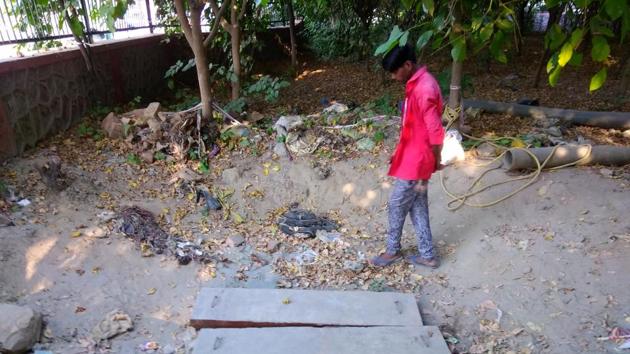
(48,93)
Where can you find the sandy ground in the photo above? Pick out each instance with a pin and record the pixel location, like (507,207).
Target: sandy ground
(554,258)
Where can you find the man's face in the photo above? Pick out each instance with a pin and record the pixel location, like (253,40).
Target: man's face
(403,74)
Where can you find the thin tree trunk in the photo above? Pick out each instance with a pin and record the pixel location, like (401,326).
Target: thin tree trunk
(455,91)
(235,36)
(194,37)
(292,34)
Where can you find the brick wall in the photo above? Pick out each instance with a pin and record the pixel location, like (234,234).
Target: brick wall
(48,93)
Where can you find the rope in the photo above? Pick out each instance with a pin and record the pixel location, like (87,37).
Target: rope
(451,115)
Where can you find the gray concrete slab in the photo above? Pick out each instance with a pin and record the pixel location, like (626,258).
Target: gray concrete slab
(237,308)
(310,340)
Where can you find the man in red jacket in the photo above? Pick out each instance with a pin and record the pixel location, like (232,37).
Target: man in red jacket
(416,157)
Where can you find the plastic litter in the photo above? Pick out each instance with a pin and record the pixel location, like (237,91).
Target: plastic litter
(303,223)
(212,203)
(452,149)
(306,257)
(24,202)
(328,236)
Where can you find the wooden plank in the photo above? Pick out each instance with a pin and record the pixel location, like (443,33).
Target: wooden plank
(310,340)
(238,308)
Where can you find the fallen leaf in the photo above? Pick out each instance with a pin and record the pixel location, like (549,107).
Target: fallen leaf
(96,270)
(534,327)
(75,234)
(286,301)
(151,291)
(80,309)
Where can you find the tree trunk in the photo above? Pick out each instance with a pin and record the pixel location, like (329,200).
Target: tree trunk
(455,91)
(203,77)
(292,34)
(192,31)
(235,36)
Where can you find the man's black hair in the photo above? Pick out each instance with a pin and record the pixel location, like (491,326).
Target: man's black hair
(397,57)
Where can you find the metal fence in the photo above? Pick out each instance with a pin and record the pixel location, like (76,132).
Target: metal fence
(139,16)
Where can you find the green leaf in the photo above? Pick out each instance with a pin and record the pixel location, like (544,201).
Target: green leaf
(428,6)
(555,37)
(600,26)
(424,39)
(582,4)
(554,76)
(615,8)
(576,59)
(392,41)
(458,53)
(262,3)
(598,80)
(76,27)
(403,39)
(505,25)
(439,23)
(476,23)
(486,32)
(576,38)
(552,63)
(601,49)
(565,54)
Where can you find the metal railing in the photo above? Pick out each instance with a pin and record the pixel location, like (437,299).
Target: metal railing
(139,15)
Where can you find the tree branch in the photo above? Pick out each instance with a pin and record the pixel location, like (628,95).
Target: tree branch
(183,20)
(218,16)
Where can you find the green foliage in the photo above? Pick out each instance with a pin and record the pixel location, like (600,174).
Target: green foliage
(203,166)
(176,68)
(603,26)
(133,159)
(268,87)
(159,156)
(379,136)
(238,105)
(444,80)
(598,80)
(44,17)
(3,188)
(385,105)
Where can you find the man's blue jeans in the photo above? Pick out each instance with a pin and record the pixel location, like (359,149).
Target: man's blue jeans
(410,197)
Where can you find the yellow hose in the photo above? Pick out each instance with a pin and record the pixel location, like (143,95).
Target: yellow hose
(452,115)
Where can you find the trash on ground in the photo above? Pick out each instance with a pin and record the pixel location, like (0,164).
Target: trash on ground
(24,202)
(620,335)
(114,323)
(212,203)
(149,346)
(306,257)
(303,223)
(452,150)
(140,225)
(328,236)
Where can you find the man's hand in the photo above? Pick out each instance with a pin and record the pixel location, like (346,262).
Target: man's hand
(437,154)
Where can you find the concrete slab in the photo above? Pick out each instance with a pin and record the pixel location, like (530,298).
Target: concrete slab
(238,308)
(310,340)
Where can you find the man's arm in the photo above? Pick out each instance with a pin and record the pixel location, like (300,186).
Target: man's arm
(433,122)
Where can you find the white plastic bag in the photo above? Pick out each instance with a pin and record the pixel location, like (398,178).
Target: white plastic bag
(452,149)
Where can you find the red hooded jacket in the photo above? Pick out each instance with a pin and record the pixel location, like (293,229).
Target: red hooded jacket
(421,128)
